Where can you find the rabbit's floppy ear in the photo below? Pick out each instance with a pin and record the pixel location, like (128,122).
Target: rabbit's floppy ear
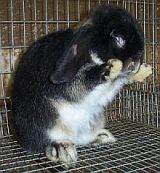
(73,58)
(67,69)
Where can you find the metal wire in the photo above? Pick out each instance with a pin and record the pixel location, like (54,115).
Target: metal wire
(137,149)
(134,116)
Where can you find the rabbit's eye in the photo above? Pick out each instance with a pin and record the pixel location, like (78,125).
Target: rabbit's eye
(120,42)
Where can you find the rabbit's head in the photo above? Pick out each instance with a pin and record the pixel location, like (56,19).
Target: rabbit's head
(110,33)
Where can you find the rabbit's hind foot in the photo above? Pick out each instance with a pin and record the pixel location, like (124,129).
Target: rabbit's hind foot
(62,151)
(103,137)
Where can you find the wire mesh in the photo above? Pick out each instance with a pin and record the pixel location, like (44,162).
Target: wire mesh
(137,106)
(137,149)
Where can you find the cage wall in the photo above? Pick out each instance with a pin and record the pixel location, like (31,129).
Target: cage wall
(24,21)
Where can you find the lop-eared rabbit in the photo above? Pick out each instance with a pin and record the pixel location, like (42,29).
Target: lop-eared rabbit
(65,79)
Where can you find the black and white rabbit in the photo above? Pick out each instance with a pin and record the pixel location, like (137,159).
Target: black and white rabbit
(64,81)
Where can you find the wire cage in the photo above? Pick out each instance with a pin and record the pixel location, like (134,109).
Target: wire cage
(134,115)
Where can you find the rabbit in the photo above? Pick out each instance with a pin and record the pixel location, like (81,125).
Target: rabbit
(65,79)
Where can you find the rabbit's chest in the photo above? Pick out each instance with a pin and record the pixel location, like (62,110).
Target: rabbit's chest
(82,117)
(77,125)
(81,121)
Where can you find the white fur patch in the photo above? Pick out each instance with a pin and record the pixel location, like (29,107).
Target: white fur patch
(81,117)
(95,58)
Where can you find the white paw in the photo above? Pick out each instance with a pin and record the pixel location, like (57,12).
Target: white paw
(144,71)
(105,136)
(116,67)
(62,151)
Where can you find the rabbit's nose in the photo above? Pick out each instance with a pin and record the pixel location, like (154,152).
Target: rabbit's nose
(131,65)
(134,67)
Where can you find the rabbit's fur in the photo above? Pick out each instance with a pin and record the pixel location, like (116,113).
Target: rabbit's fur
(61,84)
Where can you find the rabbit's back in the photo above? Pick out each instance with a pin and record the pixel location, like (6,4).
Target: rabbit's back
(40,61)
(32,109)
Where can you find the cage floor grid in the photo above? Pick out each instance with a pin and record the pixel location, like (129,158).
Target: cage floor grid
(137,150)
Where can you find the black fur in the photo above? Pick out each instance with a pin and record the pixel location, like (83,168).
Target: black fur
(59,66)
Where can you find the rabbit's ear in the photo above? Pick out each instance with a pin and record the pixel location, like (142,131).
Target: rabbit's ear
(68,68)
(74,57)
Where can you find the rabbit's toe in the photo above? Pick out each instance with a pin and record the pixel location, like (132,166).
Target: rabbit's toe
(115,68)
(51,153)
(105,136)
(62,151)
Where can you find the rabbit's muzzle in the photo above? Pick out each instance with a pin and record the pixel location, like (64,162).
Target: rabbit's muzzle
(131,66)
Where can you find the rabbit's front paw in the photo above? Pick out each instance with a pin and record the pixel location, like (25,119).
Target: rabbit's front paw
(144,71)
(115,68)
(104,136)
(64,151)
